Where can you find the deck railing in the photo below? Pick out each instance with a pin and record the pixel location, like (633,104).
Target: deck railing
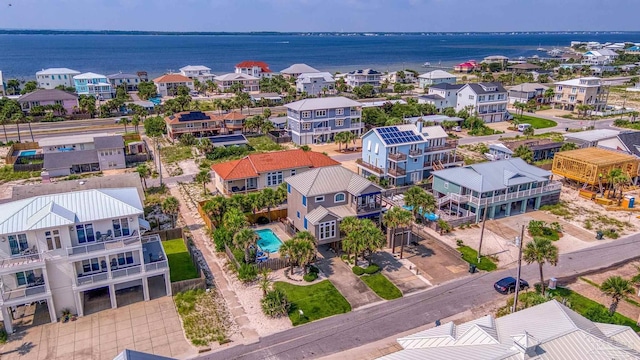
(103,245)
(163,264)
(23,292)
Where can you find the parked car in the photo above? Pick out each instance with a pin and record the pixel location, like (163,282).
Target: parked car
(457,128)
(508,285)
(523,127)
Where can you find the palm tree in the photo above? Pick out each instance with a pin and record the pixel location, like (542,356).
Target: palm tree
(617,288)
(305,249)
(340,138)
(541,250)
(135,121)
(349,231)
(419,200)
(171,206)
(215,208)
(3,122)
(288,249)
(144,171)
(203,177)
(372,237)
(234,219)
(17,118)
(244,239)
(269,200)
(549,93)
(393,219)
(29,120)
(264,282)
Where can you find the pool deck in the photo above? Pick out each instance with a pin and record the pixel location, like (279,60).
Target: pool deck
(278,229)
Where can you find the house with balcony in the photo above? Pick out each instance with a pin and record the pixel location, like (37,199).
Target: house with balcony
(528,91)
(363,76)
(399,77)
(436,77)
(77,154)
(197,72)
(204,124)
(315,84)
(318,200)
(599,57)
(93,84)
(502,188)
(581,91)
(442,95)
(406,154)
(131,81)
(250,83)
(258,171)
(69,250)
(258,69)
(487,100)
(295,70)
(49,97)
(316,121)
(168,84)
(541,149)
(54,77)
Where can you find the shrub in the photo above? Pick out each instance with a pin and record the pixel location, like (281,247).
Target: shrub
(305,148)
(3,336)
(275,303)
(611,234)
(459,242)
(313,269)
(372,269)
(262,220)
(238,254)
(247,273)
(221,237)
(310,277)
(357,270)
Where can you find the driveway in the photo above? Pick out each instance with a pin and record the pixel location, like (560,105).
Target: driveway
(437,262)
(349,284)
(399,275)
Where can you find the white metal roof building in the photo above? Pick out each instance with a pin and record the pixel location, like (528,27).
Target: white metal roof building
(297,69)
(52,77)
(591,137)
(322,103)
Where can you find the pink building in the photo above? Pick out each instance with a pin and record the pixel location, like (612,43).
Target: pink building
(44,97)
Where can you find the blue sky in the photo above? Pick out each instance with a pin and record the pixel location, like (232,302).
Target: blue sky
(322,15)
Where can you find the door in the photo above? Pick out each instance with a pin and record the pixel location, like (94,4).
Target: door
(415,177)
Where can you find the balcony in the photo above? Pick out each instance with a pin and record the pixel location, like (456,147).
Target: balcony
(158,265)
(518,195)
(107,245)
(321,130)
(22,261)
(448,145)
(397,172)
(370,167)
(451,159)
(23,293)
(92,279)
(397,156)
(415,152)
(357,125)
(131,270)
(356,113)
(180,130)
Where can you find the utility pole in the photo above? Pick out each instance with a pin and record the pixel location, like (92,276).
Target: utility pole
(515,300)
(159,161)
(484,220)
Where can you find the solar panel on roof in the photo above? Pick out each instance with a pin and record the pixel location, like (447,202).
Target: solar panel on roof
(392,135)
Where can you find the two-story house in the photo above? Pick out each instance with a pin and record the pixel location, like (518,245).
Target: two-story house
(53,77)
(315,121)
(168,84)
(599,57)
(258,69)
(197,72)
(487,100)
(76,154)
(528,91)
(71,250)
(295,70)
(204,124)
(363,76)
(500,187)
(581,91)
(317,83)
(318,200)
(406,154)
(131,81)
(442,95)
(250,83)
(46,97)
(399,77)
(258,171)
(436,77)
(93,84)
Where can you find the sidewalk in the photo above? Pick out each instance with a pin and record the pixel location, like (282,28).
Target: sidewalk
(398,274)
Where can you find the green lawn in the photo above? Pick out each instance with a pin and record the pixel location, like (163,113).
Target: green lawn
(175,153)
(263,143)
(316,301)
(180,265)
(471,256)
(7,174)
(382,286)
(536,122)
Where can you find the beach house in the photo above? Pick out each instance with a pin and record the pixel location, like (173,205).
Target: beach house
(82,251)
(204,124)
(406,154)
(465,67)
(436,77)
(258,69)
(363,76)
(168,84)
(258,171)
(487,100)
(528,91)
(581,91)
(319,199)
(54,77)
(131,81)
(93,84)
(442,95)
(316,121)
(599,57)
(250,83)
(316,83)
(49,97)
(295,70)
(197,72)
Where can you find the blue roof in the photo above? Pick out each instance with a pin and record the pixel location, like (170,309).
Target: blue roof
(393,135)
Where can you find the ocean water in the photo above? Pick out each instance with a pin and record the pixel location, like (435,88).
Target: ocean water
(22,55)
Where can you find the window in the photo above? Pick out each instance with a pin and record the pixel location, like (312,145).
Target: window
(559,96)
(125,258)
(471,97)
(293,172)
(298,214)
(500,96)
(18,243)
(306,126)
(25,276)
(559,87)
(305,223)
(339,197)
(339,122)
(90,265)
(120,227)
(288,188)
(339,111)
(582,90)
(53,239)
(492,97)
(319,199)
(445,185)
(321,113)
(377,148)
(304,200)
(85,233)
(274,178)
(327,230)
(305,114)
(481,98)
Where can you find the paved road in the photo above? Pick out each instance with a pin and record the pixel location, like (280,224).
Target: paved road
(347,331)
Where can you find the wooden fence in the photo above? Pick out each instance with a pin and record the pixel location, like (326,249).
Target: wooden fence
(168,234)
(10,159)
(131,137)
(136,159)
(231,257)
(273,264)
(207,222)
(191,284)
(276,214)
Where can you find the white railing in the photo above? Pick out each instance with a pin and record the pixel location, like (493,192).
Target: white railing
(132,270)
(91,279)
(444,199)
(20,260)
(103,245)
(23,292)
(499,198)
(321,129)
(356,125)
(156,265)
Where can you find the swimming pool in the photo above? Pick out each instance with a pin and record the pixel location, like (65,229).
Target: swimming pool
(429,216)
(27,152)
(268,241)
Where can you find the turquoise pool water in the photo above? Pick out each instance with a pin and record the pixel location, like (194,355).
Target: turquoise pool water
(268,241)
(428,216)
(27,152)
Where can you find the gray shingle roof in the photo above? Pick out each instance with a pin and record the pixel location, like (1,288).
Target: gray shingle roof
(631,140)
(481,88)
(109,142)
(47,95)
(63,160)
(327,180)
(447,86)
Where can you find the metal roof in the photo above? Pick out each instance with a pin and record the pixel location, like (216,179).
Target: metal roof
(122,76)
(89,76)
(436,74)
(322,103)
(127,354)
(299,69)
(56,71)
(234,76)
(592,135)
(195,68)
(399,135)
(484,88)
(56,210)
(328,180)
(305,78)
(528,87)
(72,139)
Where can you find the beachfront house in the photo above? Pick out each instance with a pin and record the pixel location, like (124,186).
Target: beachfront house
(316,121)
(204,124)
(49,97)
(54,77)
(258,171)
(318,200)
(131,81)
(363,76)
(258,69)
(250,83)
(168,84)
(317,83)
(436,77)
(93,84)
(197,72)
(500,187)
(77,154)
(406,154)
(82,250)
(541,149)
(487,100)
(465,67)
(442,95)
(399,77)
(587,90)
(635,49)
(599,57)
(295,70)
(528,91)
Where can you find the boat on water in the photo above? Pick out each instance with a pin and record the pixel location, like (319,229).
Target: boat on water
(426,64)
(554,52)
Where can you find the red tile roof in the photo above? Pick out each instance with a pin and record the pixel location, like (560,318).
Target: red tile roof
(250,63)
(255,164)
(171,78)
(234,115)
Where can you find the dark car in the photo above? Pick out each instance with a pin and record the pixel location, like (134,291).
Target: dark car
(508,285)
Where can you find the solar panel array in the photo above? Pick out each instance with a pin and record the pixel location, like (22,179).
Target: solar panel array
(393,136)
(194,115)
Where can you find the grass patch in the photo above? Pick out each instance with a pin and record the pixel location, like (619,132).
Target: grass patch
(382,286)
(180,265)
(175,153)
(471,256)
(263,143)
(7,174)
(536,122)
(592,283)
(559,209)
(553,136)
(203,323)
(316,301)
